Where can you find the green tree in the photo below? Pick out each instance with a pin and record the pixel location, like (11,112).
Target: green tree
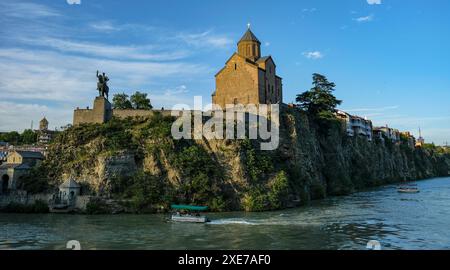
(28,137)
(121,101)
(12,137)
(140,101)
(279,190)
(319,100)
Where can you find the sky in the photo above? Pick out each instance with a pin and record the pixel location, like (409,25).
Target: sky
(390,59)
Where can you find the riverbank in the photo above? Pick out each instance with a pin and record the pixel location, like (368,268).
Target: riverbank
(137,162)
(397,221)
(91,205)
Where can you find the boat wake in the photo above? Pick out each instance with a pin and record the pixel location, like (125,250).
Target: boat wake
(232,221)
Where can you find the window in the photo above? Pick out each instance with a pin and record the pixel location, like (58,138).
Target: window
(235,66)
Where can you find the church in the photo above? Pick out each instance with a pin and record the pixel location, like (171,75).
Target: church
(248,78)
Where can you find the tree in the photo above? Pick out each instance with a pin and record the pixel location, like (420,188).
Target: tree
(319,100)
(12,137)
(140,101)
(28,137)
(121,101)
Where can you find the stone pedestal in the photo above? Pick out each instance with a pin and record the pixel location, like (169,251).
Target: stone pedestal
(102,110)
(101,113)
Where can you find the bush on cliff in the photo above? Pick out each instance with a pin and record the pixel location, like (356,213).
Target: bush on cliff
(200,177)
(279,191)
(257,163)
(261,197)
(143,191)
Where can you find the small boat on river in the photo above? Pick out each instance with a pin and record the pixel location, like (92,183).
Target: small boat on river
(189,213)
(408,190)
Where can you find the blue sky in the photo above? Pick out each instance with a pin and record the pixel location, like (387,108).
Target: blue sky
(390,59)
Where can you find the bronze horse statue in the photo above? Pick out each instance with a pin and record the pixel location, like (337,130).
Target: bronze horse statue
(102,86)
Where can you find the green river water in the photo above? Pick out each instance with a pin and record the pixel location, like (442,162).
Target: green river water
(397,221)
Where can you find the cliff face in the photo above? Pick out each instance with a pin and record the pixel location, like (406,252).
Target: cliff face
(138,162)
(335,164)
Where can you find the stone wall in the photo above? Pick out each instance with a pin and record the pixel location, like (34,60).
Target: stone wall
(21,197)
(237,82)
(140,113)
(101,113)
(132,113)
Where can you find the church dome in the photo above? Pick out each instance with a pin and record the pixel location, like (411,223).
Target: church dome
(249,36)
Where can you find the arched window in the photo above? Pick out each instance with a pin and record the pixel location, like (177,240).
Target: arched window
(5,183)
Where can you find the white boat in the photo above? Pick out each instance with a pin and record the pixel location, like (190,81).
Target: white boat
(408,190)
(189,218)
(189,213)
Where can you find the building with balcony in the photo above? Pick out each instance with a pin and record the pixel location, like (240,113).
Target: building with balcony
(388,133)
(355,125)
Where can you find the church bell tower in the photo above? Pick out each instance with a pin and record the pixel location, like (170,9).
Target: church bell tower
(249,46)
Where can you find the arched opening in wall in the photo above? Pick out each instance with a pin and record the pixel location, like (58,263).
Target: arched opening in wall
(5,183)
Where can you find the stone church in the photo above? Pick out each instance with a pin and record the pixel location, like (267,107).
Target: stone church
(248,78)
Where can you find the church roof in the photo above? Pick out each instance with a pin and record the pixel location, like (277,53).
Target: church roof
(70,183)
(249,36)
(263,59)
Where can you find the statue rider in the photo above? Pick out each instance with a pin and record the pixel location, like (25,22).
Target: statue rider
(102,85)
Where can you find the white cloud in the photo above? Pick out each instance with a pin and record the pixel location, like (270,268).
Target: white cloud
(313,55)
(109,27)
(43,75)
(182,89)
(26,11)
(149,52)
(267,44)
(365,18)
(74,2)
(205,39)
(374,2)
(309,10)
(12,120)
(104,26)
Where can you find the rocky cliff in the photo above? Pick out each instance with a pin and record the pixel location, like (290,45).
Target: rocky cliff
(136,162)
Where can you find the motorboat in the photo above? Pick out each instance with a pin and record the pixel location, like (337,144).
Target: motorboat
(408,190)
(189,213)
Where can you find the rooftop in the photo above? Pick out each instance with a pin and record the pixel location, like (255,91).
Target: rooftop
(249,36)
(70,183)
(31,154)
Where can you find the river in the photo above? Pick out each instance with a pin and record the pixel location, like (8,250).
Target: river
(397,221)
